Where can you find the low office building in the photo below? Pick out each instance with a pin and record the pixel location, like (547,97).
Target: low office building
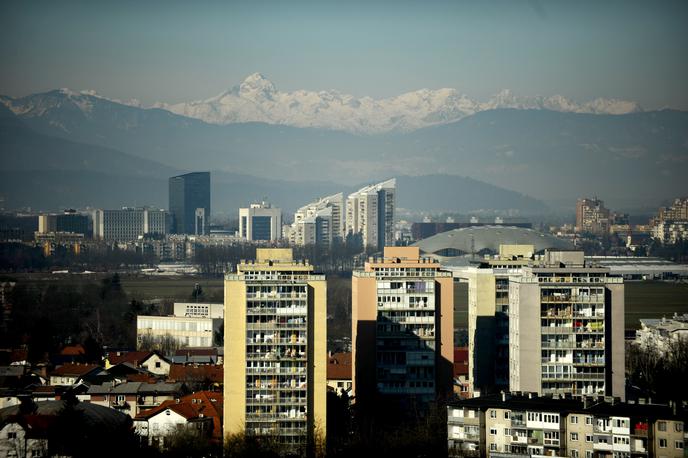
(260,222)
(68,221)
(523,424)
(129,224)
(175,331)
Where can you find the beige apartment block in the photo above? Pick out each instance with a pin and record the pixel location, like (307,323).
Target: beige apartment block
(488,315)
(566,328)
(525,424)
(402,327)
(275,350)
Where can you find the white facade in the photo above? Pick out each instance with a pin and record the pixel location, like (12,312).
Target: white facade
(129,223)
(660,333)
(195,309)
(260,222)
(186,331)
(370,212)
(14,443)
(318,222)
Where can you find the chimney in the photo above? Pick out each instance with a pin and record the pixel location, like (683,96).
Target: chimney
(585,402)
(503,396)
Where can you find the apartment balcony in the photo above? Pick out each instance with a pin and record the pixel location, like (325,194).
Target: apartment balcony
(589,362)
(558,345)
(275,326)
(556,329)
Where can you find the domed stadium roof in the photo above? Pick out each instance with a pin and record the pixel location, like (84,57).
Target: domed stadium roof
(477,239)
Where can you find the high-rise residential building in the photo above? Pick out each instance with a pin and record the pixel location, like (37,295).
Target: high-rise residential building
(318,222)
(370,213)
(671,223)
(275,350)
(129,223)
(402,327)
(566,328)
(592,216)
(68,221)
(260,222)
(488,315)
(189,196)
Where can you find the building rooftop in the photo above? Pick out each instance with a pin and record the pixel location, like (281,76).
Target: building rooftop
(478,239)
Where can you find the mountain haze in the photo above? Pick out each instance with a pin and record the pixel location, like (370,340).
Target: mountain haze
(630,160)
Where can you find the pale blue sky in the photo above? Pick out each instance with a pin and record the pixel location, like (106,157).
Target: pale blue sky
(185,50)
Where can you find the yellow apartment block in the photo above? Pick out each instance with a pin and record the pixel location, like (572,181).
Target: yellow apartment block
(276,350)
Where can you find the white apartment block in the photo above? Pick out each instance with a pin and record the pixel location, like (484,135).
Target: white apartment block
(260,222)
(370,212)
(318,222)
(670,231)
(566,329)
(129,223)
(660,333)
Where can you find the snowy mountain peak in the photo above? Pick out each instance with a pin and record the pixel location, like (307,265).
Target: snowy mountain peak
(256,99)
(256,85)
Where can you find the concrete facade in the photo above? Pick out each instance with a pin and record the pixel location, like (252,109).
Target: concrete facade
(402,327)
(275,350)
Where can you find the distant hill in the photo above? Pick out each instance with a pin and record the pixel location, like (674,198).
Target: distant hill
(631,160)
(48,172)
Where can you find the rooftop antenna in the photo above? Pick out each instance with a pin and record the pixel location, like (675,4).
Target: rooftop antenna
(472,247)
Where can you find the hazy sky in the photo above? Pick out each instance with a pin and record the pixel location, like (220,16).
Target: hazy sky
(178,51)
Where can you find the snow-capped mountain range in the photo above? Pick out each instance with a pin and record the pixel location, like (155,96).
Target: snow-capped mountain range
(257,99)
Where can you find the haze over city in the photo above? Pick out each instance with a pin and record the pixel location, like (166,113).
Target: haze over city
(323,228)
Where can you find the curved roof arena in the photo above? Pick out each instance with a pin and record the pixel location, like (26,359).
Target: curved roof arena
(478,238)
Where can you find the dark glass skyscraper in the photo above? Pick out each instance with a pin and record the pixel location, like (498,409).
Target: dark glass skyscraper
(190,203)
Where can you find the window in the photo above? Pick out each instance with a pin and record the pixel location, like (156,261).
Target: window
(157,364)
(588,438)
(493,431)
(493,413)
(678,445)
(493,447)
(661,425)
(574,453)
(574,419)
(678,426)
(588,420)
(662,443)
(12,435)
(588,453)
(506,414)
(574,436)
(507,432)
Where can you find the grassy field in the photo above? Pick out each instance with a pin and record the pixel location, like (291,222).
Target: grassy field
(643,299)
(654,300)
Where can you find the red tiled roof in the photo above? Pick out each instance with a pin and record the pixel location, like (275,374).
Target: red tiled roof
(196,373)
(133,357)
(74,369)
(196,352)
(339,366)
(209,403)
(73,350)
(145,378)
(185,409)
